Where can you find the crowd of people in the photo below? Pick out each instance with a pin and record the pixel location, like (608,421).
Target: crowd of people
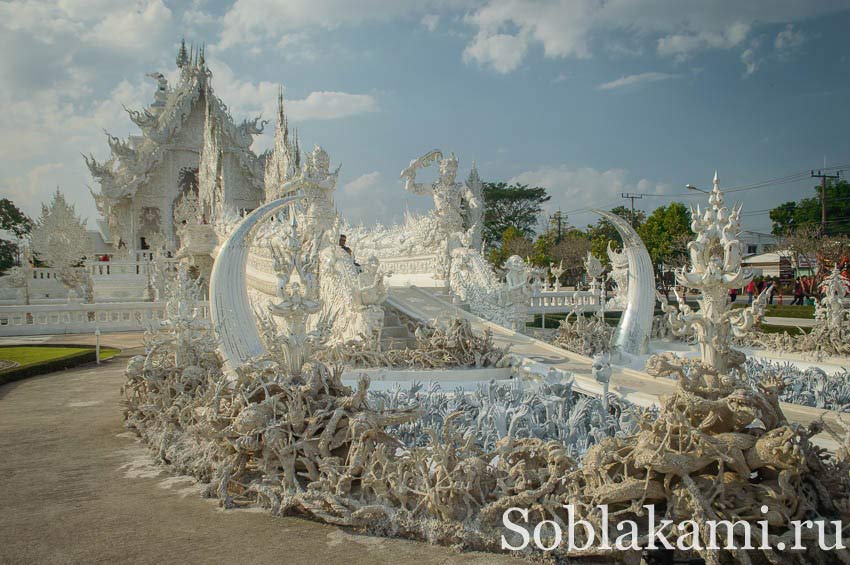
(803,290)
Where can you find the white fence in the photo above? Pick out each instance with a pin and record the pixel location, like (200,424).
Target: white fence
(559,301)
(45,319)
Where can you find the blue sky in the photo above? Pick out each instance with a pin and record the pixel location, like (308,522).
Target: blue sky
(588,98)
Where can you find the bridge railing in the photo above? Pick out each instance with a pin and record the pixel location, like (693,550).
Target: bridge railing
(559,301)
(46,319)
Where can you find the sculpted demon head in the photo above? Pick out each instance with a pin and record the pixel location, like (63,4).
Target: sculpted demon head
(448,168)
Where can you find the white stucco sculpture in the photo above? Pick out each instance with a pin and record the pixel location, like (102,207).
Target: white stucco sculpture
(619,277)
(473,281)
(513,297)
(59,239)
(557,271)
(451,200)
(715,267)
(297,299)
(317,183)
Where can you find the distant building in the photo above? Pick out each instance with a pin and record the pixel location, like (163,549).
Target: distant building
(756,243)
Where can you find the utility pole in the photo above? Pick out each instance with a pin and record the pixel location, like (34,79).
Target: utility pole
(557,219)
(823,176)
(632,197)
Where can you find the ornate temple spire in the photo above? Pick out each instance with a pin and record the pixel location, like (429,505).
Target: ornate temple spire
(473,175)
(182,56)
(297,152)
(282,122)
(210,188)
(285,160)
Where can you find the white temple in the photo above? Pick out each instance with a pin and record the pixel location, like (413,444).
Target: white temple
(189,145)
(178,190)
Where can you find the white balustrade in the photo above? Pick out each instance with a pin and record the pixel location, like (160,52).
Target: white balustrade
(43,319)
(560,301)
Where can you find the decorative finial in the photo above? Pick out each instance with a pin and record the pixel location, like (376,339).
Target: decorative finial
(182,56)
(716,181)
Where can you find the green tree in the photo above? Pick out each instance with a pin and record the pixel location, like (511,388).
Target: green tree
(514,205)
(603,231)
(13,222)
(791,216)
(666,233)
(512,242)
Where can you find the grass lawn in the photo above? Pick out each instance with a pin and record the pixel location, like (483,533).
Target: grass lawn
(792,331)
(786,310)
(25,355)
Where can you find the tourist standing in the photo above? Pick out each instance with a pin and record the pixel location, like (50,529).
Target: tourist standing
(798,292)
(751,289)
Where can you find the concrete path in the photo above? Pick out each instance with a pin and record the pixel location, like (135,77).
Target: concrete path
(635,386)
(790,322)
(75,487)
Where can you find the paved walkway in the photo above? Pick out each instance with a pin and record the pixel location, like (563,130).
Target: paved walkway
(77,488)
(635,386)
(790,322)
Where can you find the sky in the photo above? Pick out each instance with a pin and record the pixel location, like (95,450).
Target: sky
(587,98)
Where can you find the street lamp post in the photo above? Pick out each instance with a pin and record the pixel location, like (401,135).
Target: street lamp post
(689,186)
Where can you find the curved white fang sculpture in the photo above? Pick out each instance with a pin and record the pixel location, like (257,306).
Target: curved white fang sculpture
(230,308)
(636,323)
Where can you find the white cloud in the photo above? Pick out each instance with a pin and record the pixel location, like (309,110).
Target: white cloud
(569,28)
(789,38)
(501,51)
(32,188)
(576,190)
(48,132)
(258,21)
(144,27)
(246,98)
(683,45)
(325,105)
(430,22)
(631,80)
(362,183)
(750,59)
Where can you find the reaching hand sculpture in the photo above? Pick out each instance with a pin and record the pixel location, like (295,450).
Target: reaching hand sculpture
(715,267)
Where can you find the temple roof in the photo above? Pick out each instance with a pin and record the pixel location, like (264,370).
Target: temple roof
(131,161)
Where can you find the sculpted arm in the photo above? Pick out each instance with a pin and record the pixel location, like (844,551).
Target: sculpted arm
(417,187)
(409,174)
